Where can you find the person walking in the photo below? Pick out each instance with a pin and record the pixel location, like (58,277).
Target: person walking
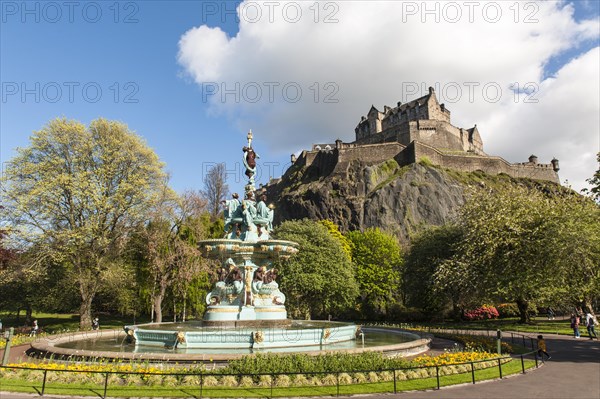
(590,323)
(575,321)
(541,343)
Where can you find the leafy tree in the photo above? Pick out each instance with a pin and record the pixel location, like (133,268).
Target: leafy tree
(319,280)
(427,252)
(170,246)
(337,234)
(378,261)
(215,188)
(524,245)
(594,181)
(77,192)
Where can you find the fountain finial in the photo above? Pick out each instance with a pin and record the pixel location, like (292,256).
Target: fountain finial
(250,138)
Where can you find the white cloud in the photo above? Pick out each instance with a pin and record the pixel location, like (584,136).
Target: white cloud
(379,49)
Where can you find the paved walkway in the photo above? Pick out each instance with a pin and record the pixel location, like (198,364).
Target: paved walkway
(573,372)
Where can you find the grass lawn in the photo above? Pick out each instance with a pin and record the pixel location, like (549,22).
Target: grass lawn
(33,386)
(537,325)
(58,322)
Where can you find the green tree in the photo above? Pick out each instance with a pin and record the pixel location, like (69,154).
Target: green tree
(319,280)
(335,232)
(427,252)
(524,245)
(170,247)
(378,262)
(77,192)
(594,181)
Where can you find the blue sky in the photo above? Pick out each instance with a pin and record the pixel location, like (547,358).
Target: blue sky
(131,51)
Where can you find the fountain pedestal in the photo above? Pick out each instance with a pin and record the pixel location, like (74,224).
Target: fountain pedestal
(247,292)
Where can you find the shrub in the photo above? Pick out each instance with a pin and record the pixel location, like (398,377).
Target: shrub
(386,376)
(191,380)
(329,379)
(152,379)
(482,313)
(300,379)
(246,382)
(373,377)
(210,381)
(411,375)
(345,379)
(360,378)
(113,379)
(134,380)
(507,310)
(264,381)
(422,373)
(315,380)
(170,381)
(229,381)
(283,380)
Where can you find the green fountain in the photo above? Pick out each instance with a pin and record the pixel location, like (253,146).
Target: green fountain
(246,308)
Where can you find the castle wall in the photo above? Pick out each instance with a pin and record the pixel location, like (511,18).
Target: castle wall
(372,153)
(488,164)
(435,111)
(440,134)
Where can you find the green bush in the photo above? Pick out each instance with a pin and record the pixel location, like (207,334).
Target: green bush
(302,363)
(507,310)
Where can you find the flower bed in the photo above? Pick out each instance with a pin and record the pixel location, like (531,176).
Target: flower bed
(141,374)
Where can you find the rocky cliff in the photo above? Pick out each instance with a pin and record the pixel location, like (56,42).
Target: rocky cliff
(400,200)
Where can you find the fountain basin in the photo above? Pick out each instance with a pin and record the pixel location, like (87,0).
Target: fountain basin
(109,344)
(299,333)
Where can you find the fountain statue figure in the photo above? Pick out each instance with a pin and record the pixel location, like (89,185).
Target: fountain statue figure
(247,291)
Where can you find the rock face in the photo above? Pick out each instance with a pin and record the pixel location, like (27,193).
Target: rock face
(399,200)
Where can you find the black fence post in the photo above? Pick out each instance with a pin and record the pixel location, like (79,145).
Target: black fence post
(272,381)
(201,384)
(500,367)
(437,376)
(473,372)
(338,383)
(44,383)
(395,391)
(523,364)
(105,385)
(524,343)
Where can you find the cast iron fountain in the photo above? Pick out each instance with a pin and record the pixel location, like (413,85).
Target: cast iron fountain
(246,308)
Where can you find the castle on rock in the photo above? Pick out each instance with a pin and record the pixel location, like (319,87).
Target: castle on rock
(415,131)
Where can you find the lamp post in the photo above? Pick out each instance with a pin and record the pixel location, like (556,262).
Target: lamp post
(8,334)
